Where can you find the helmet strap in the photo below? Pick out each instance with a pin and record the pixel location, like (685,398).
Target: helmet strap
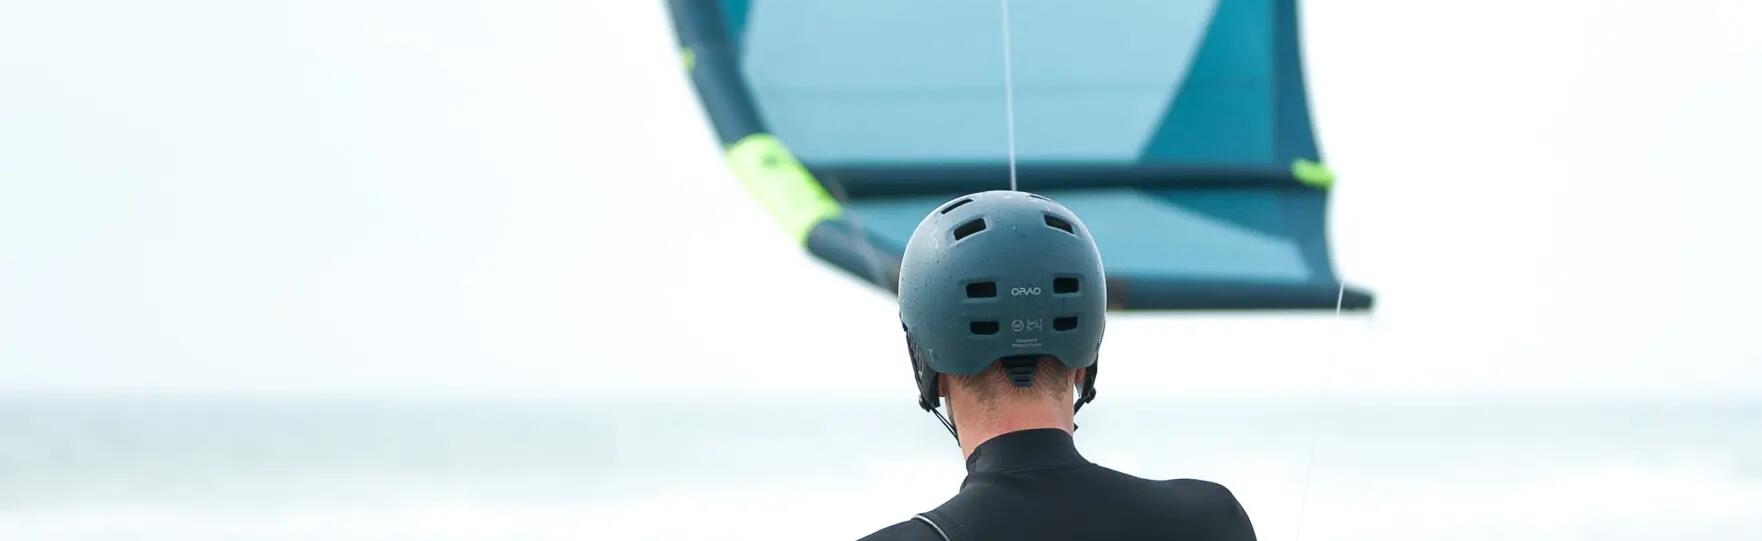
(947,424)
(1087,393)
(929,391)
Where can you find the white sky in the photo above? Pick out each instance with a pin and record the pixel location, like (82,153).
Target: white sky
(524,197)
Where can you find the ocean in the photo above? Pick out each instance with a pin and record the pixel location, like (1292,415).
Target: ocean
(838,467)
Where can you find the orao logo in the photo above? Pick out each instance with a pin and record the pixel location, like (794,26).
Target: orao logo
(1024,291)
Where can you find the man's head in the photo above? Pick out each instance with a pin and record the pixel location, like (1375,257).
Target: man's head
(994,285)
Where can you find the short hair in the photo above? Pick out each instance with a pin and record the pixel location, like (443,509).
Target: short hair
(1051,379)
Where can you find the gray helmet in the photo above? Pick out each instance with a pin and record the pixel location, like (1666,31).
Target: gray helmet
(1001,276)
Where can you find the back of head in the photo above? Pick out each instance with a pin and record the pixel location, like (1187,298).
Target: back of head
(999,383)
(993,287)
(994,402)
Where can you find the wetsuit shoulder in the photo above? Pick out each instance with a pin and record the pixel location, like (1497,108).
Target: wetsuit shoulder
(1207,510)
(911,529)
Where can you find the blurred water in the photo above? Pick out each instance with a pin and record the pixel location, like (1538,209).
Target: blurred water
(818,467)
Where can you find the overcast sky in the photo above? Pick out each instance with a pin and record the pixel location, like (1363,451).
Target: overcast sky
(524,197)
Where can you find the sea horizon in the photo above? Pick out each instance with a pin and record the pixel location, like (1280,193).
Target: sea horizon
(353,465)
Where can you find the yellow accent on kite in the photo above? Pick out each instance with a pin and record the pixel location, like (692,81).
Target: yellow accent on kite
(1312,174)
(689,57)
(781,183)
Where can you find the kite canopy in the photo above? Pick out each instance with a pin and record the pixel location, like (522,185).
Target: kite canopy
(1178,131)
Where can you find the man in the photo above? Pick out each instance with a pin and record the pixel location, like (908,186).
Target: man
(1003,301)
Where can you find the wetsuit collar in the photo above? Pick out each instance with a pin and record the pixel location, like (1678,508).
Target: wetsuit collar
(1038,448)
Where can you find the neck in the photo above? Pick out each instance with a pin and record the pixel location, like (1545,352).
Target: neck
(979,422)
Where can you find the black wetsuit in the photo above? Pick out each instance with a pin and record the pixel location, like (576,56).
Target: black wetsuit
(1032,484)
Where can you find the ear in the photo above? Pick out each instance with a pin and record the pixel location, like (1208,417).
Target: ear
(942,385)
(1078,375)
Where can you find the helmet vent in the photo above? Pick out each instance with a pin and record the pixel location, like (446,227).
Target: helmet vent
(1064,284)
(1060,224)
(968,229)
(983,327)
(981,290)
(1064,323)
(955,205)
